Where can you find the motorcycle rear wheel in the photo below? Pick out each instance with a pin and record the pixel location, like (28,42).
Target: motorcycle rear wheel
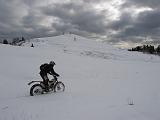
(36,89)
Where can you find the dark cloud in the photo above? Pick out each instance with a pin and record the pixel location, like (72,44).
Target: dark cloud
(7,18)
(78,16)
(149,20)
(143,3)
(135,29)
(133,20)
(10,15)
(94,1)
(124,21)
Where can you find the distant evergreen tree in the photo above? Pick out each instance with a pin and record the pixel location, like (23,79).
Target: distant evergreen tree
(146,49)
(32,45)
(15,41)
(151,49)
(158,49)
(23,39)
(5,41)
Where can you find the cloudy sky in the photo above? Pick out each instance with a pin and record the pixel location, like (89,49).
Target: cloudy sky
(122,22)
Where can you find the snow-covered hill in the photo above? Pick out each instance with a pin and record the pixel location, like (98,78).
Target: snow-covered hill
(101,81)
(81,46)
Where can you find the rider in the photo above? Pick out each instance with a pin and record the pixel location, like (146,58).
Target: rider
(47,68)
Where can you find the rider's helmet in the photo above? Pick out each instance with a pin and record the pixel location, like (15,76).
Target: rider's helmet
(52,63)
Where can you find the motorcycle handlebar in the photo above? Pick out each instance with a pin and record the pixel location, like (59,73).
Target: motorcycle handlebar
(55,77)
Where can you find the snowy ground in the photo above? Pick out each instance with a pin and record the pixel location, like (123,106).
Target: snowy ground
(101,81)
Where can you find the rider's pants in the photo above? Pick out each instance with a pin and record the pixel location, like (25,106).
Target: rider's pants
(45,78)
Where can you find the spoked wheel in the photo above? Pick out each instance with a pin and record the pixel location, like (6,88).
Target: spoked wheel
(59,87)
(36,90)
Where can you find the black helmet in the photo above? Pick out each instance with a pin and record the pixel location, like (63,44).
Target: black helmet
(52,63)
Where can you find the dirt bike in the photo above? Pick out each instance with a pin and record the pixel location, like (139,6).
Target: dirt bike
(39,87)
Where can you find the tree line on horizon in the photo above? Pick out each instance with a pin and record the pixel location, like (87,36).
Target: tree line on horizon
(15,41)
(147,49)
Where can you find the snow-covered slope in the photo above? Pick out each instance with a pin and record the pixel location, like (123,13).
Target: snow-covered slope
(81,46)
(101,81)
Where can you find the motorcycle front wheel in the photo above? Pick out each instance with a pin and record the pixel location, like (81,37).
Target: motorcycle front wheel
(59,87)
(36,89)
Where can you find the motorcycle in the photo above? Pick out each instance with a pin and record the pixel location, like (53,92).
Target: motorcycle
(39,87)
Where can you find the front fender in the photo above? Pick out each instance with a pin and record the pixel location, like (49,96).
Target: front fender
(30,82)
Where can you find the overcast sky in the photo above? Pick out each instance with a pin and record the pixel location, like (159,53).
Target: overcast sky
(117,21)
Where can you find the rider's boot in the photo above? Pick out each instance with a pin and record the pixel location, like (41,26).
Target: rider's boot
(46,88)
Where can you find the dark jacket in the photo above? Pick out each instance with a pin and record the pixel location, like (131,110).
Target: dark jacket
(48,68)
